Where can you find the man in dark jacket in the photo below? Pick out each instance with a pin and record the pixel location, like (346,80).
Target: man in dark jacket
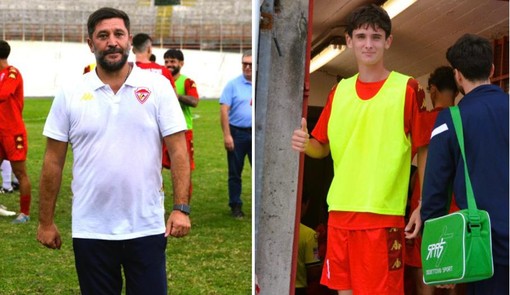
(484,111)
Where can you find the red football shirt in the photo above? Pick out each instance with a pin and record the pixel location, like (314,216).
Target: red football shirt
(190,87)
(157,68)
(11,102)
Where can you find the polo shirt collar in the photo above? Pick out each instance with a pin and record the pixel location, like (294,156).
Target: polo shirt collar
(245,81)
(96,83)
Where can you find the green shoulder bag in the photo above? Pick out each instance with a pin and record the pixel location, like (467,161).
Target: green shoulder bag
(457,248)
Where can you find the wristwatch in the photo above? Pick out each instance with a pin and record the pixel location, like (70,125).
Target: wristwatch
(183,208)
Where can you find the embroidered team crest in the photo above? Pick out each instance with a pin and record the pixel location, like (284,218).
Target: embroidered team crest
(142,94)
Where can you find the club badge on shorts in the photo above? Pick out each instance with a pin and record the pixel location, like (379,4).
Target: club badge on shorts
(142,94)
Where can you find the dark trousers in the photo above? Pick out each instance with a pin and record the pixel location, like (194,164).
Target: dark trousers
(242,148)
(99,265)
(497,285)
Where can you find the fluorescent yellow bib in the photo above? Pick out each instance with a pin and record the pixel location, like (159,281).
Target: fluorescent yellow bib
(180,88)
(371,153)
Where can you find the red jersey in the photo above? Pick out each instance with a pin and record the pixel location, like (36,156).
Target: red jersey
(190,88)
(416,118)
(157,68)
(11,102)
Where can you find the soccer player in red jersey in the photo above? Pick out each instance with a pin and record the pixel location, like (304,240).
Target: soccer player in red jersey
(142,48)
(443,90)
(187,94)
(13,135)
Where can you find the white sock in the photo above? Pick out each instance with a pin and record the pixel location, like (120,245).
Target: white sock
(6,174)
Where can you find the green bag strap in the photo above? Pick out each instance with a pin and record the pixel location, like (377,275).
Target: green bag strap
(457,124)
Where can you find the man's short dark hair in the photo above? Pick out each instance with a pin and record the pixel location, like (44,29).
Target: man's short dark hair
(471,55)
(443,78)
(174,53)
(141,41)
(5,49)
(369,15)
(106,13)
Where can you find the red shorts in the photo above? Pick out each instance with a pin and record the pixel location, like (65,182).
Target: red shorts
(413,252)
(365,261)
(189,142)
(14,147)
(413,247)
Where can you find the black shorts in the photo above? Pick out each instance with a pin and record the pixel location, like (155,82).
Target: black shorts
(99,264)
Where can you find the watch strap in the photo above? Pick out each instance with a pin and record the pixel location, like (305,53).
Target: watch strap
(183,208)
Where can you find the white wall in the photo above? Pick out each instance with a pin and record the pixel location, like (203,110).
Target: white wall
(45,66)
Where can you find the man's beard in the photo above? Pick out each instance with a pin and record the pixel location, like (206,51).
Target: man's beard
(112,66)
(175,70)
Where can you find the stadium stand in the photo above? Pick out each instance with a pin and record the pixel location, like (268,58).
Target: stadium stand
(220,25)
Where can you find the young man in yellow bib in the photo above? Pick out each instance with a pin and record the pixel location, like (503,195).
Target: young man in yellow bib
(367,125)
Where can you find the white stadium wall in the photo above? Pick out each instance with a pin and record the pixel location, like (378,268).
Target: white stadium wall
(45,66)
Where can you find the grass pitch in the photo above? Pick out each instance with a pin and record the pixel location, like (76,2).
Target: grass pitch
(215,258)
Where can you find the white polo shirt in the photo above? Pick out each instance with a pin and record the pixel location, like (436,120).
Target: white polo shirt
(116,141)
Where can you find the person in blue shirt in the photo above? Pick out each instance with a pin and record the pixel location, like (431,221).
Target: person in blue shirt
(236,121)
(484,111)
